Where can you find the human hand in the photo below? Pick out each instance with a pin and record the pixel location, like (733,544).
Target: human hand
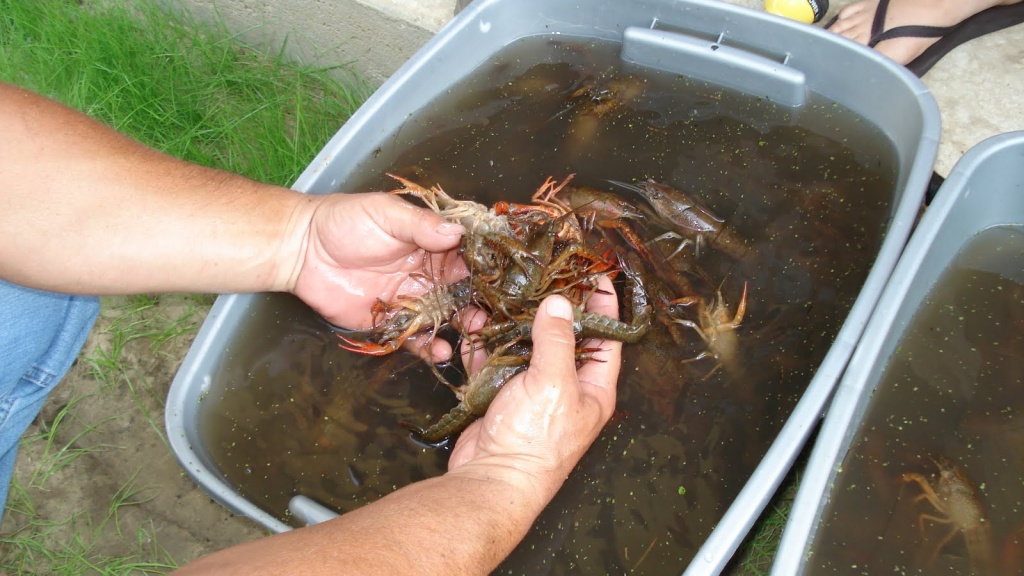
(363,247)
(545,418)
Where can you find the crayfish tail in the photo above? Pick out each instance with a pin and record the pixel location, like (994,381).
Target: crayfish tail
(416,434)
(452,423)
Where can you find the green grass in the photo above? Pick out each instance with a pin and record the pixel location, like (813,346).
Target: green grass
(192,90)
(58,454)
(189,89)
(71,545)
(141,319)
(755,555)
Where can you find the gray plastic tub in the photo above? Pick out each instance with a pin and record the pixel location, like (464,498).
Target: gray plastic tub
(724,44)
(984,189)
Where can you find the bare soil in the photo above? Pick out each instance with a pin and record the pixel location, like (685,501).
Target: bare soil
(121,428)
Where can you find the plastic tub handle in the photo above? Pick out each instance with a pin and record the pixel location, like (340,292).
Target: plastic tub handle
(714,62)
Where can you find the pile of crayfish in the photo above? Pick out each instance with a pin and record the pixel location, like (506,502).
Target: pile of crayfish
(559,243)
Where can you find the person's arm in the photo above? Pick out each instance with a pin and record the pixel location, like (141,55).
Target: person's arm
(87,210)
(503,472)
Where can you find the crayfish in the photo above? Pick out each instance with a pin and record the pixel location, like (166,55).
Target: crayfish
(517,255)
(956,504)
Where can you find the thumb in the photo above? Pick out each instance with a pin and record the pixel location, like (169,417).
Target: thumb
(554,345)
(415,225)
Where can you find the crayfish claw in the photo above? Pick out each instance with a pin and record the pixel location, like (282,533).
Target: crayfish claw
(408,186)
(363,347)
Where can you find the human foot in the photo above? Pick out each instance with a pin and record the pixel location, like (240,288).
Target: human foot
(856,21)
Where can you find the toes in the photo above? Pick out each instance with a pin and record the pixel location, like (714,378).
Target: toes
(855,21)
(855,14)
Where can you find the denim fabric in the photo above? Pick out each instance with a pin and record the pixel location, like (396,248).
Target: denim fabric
(41,333)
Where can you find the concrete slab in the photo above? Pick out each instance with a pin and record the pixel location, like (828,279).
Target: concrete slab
(374,36)
(978,86)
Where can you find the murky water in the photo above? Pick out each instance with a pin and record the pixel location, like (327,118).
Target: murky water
(953,389)
(811,191)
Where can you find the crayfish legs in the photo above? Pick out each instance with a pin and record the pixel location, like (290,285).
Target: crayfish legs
(689,220)
(475,217)
(587,324)
(476,395)
(957,503)
(718,330)
(406,318)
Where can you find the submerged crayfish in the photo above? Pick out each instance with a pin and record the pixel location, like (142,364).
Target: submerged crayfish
(957,505)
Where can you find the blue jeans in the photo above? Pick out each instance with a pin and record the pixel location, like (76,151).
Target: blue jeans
(41,334)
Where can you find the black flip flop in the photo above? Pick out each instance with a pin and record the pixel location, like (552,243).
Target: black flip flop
(984,22)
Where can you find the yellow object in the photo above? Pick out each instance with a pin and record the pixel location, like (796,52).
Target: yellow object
(806,11)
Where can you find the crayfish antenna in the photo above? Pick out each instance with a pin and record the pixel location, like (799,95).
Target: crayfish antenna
(584,355)
(442,379)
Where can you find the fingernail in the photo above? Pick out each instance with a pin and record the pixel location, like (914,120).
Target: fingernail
(559,307)
(450,229)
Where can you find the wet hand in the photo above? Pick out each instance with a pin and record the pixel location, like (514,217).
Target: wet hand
(359,248)
(544,420)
